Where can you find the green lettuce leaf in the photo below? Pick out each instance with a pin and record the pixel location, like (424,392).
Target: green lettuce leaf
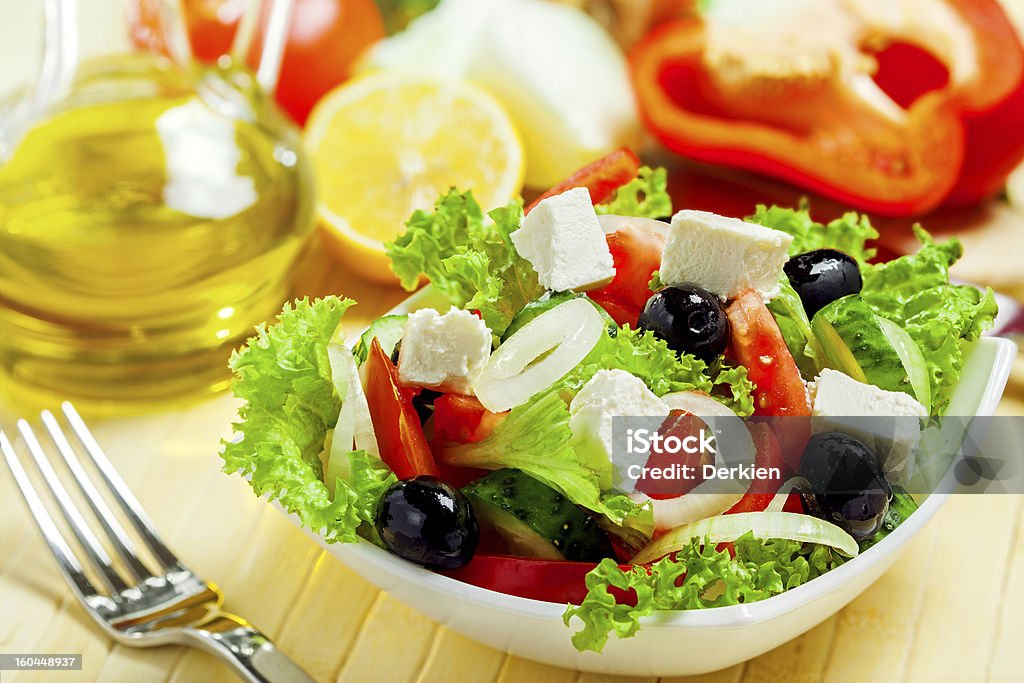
(849,234)
(789,313)
(694,578)
(473,264)
(662,369)
(284,376)
(541,426)
(645,196)
(914,291)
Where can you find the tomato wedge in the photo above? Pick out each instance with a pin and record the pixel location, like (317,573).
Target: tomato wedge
(636,253)
(757,344)
(601,177)
(463,419)
(400,437)
(548,580)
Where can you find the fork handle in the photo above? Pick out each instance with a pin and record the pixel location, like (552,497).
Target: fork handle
(250,653)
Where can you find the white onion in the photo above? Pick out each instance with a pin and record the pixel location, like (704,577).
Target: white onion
(569,331)
(714,496)
(780,498)
(354,426)
(764,525)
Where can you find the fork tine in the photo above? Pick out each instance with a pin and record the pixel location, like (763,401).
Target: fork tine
(86,538)
(125,498)
(66,561)
(121,541)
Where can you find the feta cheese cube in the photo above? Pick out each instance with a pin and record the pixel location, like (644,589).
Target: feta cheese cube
(563,240)
(610,393)
(888,420)
(443,350)
(723,255)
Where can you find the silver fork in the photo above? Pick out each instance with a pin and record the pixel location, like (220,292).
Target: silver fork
(139,607)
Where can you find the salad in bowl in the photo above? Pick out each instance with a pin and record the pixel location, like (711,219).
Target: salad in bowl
(478,432)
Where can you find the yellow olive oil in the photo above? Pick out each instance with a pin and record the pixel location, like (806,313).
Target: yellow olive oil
(146,225)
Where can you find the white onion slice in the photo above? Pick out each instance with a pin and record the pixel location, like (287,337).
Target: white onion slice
(765,525)
(569,331)
(354,427)
(714,496)
(780,498)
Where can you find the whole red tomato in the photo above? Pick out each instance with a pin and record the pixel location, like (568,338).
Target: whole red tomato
(325,38)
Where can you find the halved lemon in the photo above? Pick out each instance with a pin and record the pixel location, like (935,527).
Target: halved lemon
(386,144)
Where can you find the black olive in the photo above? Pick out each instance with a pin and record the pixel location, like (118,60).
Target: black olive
(847,482)
(426,521)
(689,318)
(822,276)
(423,402)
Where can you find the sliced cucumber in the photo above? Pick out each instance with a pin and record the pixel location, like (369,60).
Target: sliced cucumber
(545,303)
(387,329)
(854,340)
(913,360)
(534,519)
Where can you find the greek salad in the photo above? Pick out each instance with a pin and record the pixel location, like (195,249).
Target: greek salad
(476,439)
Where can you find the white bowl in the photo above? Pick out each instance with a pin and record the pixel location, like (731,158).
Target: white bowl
(669,643)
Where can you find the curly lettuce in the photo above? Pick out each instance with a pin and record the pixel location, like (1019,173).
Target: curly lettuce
(663,370)
(284,376)
(791,317)
(696,577)
(472,262)
(914,291)
(541,426)
(645,196)
(849,233)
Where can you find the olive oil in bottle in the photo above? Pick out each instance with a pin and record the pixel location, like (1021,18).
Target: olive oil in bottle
(147,223)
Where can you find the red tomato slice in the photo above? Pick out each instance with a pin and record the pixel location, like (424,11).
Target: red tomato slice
(400,437)
(548,580)
(463,419)
(636,253)
(757,344)
(601,177)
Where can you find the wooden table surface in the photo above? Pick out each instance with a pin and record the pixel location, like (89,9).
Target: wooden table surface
(951,609)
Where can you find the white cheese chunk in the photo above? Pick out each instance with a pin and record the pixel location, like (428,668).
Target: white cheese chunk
(886,421)
(563,240)
(723,255)
(610,393)
(443,350)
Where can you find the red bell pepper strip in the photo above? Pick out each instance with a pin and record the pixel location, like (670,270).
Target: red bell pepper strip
(814,116)
(555,581)
(767,453)
(601,177)
(403,446)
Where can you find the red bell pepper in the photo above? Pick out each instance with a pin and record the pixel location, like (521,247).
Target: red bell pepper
(799,97)
(601,177)
(555,581)
(403,446)
(767,453)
